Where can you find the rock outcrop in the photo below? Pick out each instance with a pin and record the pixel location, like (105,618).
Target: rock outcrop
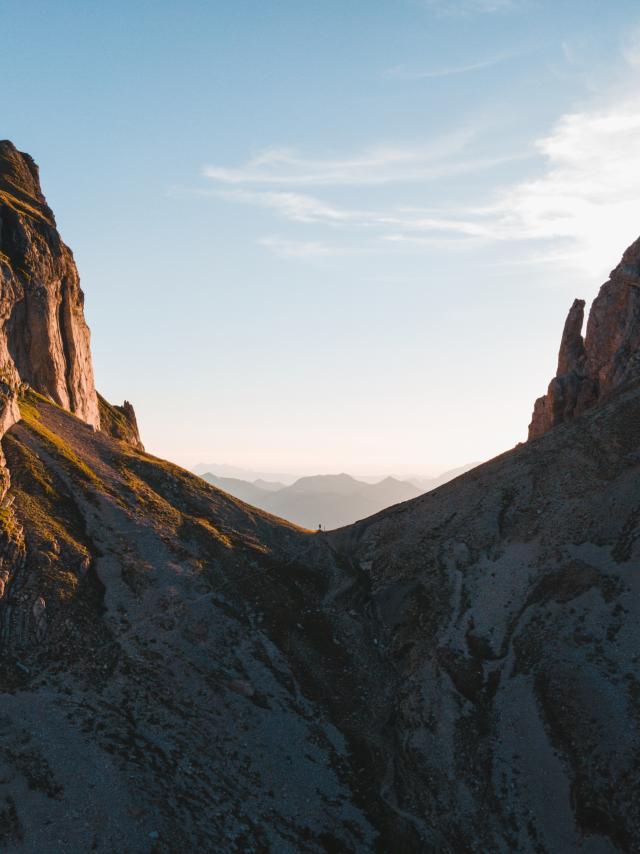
(44,339)
(607,358)
(120,422)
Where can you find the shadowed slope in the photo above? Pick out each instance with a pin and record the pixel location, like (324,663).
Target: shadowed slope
(508,603)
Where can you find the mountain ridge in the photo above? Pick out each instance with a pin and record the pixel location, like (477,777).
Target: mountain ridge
(330,501)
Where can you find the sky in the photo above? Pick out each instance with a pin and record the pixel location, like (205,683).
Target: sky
(330,236)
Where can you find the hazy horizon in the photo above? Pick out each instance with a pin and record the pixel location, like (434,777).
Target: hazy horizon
(327,239)
(213,467)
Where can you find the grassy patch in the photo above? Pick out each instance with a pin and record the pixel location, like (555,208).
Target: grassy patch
(32,465)
(114,422)
(150,501)
(8,523)
(204,532)
(20,205)
(54,528)
(31,417)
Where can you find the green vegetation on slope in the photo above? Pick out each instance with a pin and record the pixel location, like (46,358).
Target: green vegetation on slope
(57,445)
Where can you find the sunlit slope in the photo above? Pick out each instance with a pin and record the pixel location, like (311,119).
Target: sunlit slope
(149,656)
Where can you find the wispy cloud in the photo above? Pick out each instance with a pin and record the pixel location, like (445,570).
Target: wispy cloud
(401,72)
(581,205)
(293,206)
(298,207)
(285,167)
(304,250)
(584,205)
(459,8)
(631,48)
(589,193)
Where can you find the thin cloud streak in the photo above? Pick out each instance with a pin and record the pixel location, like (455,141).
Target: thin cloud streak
(303,250)
(464,8)
(399,72)
(284,167)
(631,48)
(300,208)
(293,206)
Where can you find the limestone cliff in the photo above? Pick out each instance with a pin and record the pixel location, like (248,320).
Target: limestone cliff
(44,339)
(607,358)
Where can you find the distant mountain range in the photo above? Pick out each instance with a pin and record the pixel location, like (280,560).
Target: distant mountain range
(330,500)
(239,473)
(274,480)
(426,484)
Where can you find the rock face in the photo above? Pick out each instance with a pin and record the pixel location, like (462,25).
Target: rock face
(607,358)
(44,339)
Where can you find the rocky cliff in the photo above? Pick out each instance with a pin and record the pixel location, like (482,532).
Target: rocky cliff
(607,358)
(44,339)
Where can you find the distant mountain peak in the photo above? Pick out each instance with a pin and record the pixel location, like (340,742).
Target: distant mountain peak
(336,483)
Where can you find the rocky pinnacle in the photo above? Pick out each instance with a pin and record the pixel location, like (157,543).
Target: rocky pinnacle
(607,358)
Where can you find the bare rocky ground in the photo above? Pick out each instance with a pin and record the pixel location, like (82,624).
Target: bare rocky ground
(182,672)
(508,602)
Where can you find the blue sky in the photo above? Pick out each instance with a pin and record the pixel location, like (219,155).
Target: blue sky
(330,236)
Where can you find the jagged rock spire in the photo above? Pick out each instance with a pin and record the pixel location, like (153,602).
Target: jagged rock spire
(44,339)
(608,357)
(571,356)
